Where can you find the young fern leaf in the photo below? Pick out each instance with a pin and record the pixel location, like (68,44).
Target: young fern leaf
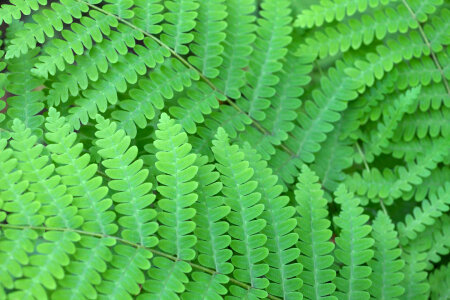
(386,264)
(78,175)
(211,231)
(315,245)
(177,169)
(245,230)
(278,214)
(353,248)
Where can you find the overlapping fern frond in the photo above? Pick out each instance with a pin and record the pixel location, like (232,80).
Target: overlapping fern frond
(224,149)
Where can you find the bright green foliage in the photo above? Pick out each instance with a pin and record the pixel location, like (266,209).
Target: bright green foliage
(177,171)
(353,248)
(314,233)
(386,263)
(440,283)
(224,149)
(241,196)
(131,195)
(283,268)
(437,204)
(414,282)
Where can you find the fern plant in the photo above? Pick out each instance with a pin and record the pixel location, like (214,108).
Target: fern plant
(224,149)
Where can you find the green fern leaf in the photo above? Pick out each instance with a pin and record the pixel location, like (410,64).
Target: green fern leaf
(353,248)
(283,268)
(386,264)
(128,180)
(245,230)
(314,233)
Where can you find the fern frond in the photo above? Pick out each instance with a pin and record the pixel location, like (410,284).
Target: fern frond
(78,175)
(425,215)
(83,272)
(27,104)
(270,47)
(328,11)
(333,158)
(239,36)
(245,230)
(316,120)
(77,78)
(386,264)
(440,283)
(177,169)
(147,15)
(181,19)
(377,63)
(176,166)
(278,214)
(353,248)
(280,116)
(82,35)
(356,32)
(432,123)
(57,207)
(438,235)
(430,185)
(211,230)
(208,37)
(227,118)
(18,8)
(314,233)
(46,22)
(414,270)
(126,273)
(379,137)
(171,77)
(390,185)
(132,195)
(200,100)
(18,207)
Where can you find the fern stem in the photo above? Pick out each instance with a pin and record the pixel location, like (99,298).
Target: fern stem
(427,42)
(363,157)
(135,245)
(188,65)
